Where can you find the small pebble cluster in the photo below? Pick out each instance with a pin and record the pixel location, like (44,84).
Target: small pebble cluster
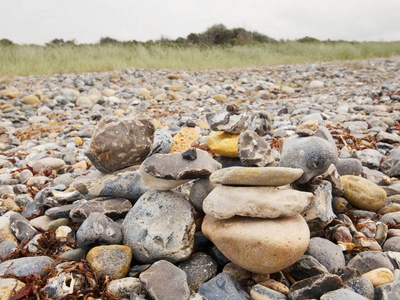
(260,183)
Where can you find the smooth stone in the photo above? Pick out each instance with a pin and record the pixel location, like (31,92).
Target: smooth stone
(380,276)
(113,208)
(60,211)
(110,260)
(393,188)
(260,292)
(259,245)
(255,201)
(342,294)
(315,287)
(223,286)
(387,137)
(184,139)
(164,281)
(391,165)
(162,142)
(6,248)
(160,226)
(312,154)
(53,225)
(166,171)
(131,142)
(316,84)
(41,223)
(9,287)
(265,176)
(361,285)
(124,287)
(307,266)
(370,158)
(27,266)
(390,291)
(392,244)
(224,144)
(363,193)
(373,175)
(199,268)
(327,253)
(370,260)
(199,191)
(254,151)
(240,274)
(48,163)
(96,230)
(74,254)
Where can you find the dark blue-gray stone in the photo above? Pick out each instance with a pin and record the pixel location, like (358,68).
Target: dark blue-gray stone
(199,191)
(314,287)
(307,266)
(223,286)
(27,266)
(361,285)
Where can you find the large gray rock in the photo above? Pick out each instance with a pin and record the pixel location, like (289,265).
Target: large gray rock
(254,151)
(312,154)
(370,260)
(327,253)
(167,171)
(26,266)
(160,226)
(223,286)
(164,281)
(391,165)
(96,230)
(120,143)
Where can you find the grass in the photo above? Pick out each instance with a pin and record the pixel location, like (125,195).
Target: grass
(25,60)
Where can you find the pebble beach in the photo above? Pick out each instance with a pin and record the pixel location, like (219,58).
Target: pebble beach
(273,182)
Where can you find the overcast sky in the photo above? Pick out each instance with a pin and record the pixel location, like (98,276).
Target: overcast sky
(86,21)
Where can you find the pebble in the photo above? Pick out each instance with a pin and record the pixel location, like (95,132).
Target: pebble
(223,286)
(224,144)
(26,266)
(124,287)
(371,260)
(254,151)
(380,276)
(315,287)
(342,294)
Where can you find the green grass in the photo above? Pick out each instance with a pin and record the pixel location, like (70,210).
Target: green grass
(39,60)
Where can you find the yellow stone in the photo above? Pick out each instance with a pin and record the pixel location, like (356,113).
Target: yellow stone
(157,124)
(175,87)
(203,125)
(119,112)
(175,96)
(80,165)
(148,87)
(145,95)
(220,97)
(224,144)
(5,106)
(380,276)
(7,235)
(9,287)
(174,76)
(11,92)
(78,141)
(184,139)
(31,100)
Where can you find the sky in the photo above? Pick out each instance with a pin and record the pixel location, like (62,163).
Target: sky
(86,21)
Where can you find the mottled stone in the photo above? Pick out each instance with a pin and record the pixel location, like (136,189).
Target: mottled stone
(120,143)
(363,193)
(21,227)
(164,281)
(223,286)
(184,139)
(162,142)
(160,226)
(255,201)
(124,287)
(361,285)
(267,176)
(110,260)
(370,260)
(224,144)
(228,122)
(259,245)
(254,151)
(327,253)
(315,287)
(380,276)
(26,266)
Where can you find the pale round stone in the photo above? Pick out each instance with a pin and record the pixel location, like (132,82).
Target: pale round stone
(266,176)
(259,245)
(380,276)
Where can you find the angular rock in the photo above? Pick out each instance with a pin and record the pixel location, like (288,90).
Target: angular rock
(120,143)
(111,260)
(267,176)
(258,202)
(26,266)
(162,142)
(113,208)
(21,227)
(223,286)
(259,245)
(167,171)
(363,193)
(315,287)
(226,121)
(259,122)
(254,151)
(160,226)
(164,281)
(327,253)
(333,177)
(367,261)
(312,154)
(370,158)
(96,230)
(224,144)
(307,266)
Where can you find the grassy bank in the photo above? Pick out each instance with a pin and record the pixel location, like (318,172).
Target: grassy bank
(29,60)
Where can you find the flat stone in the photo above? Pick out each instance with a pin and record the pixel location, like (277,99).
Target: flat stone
(31,100)
(342,294)
(266,176)
(380,276)
(363,193)
(199,268)
(61,211)
(41,223)
(48,163)
(21,227)
(160,226)
(124,287)
(74,254)
(387,137)
(9,287)
(164,281)
(327,253)
(370,260)
(312,154)
(113,208)
(110,260)
(167,171)
(96,230)
(255,201)
(184,139)
(224,144)
(223,286)
(259,245)
(26,266)
(120,143)
(254,151)
(315,287)
(307,266)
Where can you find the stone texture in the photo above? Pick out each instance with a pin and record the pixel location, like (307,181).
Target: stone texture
(349,166)
(392,244)
(254,151)
(9,287)
(259,245)
(164,281)
(223,286)
(312,154)
(361,285)
(110,260)
(258,202)
(371,260)
(389,291)
(120,143)
(26,266)
(315,287)
(160,226)
(124,287)
(260,292)
(267,176)
(342,294)
(199,191)
(48,163)
(380,276)
(363,193)
(224,144)
(184,139)
(307,266)
(6,248)
(327,253)
(162,142)
(391,165)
